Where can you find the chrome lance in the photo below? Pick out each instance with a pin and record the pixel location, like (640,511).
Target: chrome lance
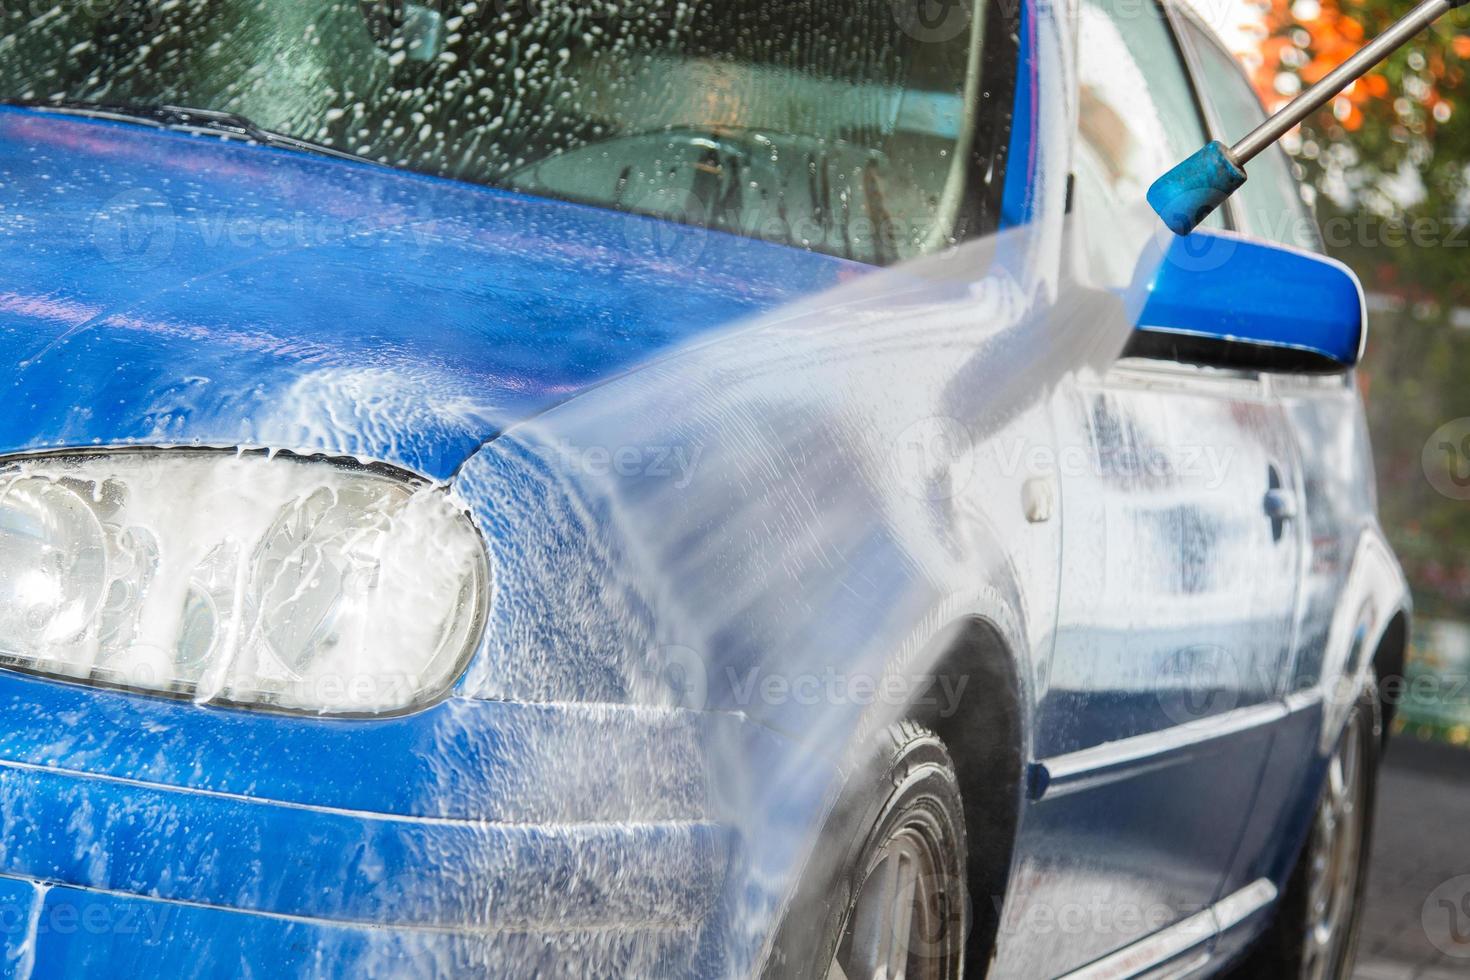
(1188,193)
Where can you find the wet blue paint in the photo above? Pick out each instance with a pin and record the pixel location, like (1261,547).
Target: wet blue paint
(168,288)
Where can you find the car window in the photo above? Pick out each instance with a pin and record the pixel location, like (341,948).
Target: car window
(843,126)
(1270,204)
(1137,117)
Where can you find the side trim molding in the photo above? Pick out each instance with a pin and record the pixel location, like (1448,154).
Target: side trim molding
(1110,762)
(1160,949)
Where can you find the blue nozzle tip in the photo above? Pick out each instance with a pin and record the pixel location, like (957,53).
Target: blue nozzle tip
(1186,195)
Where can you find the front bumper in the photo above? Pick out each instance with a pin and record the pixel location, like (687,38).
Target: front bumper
(144,837)
(64,931)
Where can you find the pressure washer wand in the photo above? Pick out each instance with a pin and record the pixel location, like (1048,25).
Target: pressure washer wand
(1187,194)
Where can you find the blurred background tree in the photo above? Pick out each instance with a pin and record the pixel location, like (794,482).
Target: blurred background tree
(1389,160)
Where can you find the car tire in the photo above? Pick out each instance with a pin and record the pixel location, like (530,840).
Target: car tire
(886,883)
(1314,935)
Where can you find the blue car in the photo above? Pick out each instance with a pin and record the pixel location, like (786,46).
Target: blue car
(669,489)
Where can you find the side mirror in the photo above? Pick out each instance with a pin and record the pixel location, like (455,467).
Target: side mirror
(1225,301)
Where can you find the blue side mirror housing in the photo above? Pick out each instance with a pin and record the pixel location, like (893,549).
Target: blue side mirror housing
(1228,301)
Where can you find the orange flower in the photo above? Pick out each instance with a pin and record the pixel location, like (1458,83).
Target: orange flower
(1319,66)
(1335,35)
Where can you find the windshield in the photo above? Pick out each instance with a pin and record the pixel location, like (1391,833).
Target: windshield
(844,126)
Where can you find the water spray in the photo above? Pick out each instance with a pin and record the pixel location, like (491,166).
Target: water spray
(1187,194)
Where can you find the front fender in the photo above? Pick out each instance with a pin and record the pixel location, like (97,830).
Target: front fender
(777,525)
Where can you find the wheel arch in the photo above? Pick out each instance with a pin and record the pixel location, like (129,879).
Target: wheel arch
(983,726)
(1388,662)
(1369,632)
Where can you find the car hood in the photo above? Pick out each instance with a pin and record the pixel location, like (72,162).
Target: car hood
(161,288)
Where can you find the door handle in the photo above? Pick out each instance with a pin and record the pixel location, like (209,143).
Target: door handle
(1279,503)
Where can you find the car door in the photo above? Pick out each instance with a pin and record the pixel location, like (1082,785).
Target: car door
(1325,417)
(1178,589)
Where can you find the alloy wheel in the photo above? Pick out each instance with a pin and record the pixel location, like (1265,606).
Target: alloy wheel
(1336,852)
(897,929)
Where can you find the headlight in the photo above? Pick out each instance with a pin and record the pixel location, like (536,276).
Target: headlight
(285,582)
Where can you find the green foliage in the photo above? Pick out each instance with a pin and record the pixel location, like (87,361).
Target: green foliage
(1391,166)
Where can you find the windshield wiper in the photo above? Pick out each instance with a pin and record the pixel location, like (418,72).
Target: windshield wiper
(185,119)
